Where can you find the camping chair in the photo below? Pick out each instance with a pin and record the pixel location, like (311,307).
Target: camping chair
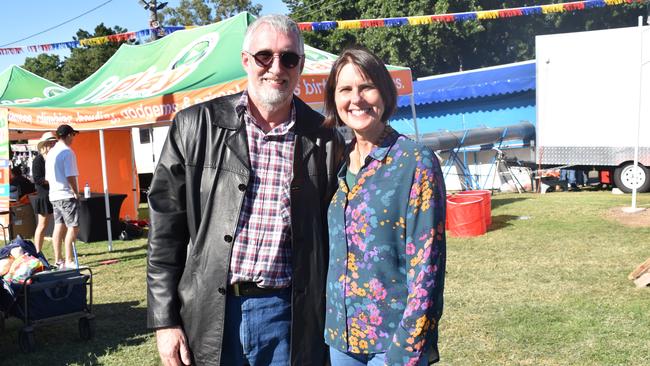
(7,228)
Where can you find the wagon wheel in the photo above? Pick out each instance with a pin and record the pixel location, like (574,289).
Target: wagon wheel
(87,328)
(26,341)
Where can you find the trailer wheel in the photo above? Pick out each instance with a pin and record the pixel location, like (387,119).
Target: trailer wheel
(26,341)
(626,180)
(86,328)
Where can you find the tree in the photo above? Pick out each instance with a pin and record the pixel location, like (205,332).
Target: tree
(447,47)
(46,66)
(202,12)
(426,49)
(84,61)
(81,63)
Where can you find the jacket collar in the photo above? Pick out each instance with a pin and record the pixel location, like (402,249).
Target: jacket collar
(224,112)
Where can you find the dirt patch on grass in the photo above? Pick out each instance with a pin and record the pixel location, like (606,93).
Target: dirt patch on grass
(637,219)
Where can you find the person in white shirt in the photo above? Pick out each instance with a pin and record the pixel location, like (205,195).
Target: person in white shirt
(61,172)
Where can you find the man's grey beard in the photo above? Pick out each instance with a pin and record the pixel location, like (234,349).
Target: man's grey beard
(271,99)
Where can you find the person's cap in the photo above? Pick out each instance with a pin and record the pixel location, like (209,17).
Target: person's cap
(47,136)
(65,130)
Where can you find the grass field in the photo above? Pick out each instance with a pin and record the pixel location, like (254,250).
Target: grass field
(546,286)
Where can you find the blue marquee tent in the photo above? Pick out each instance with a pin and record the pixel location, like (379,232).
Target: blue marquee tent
(488,97)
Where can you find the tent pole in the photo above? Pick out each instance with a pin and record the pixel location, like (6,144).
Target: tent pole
(105,182)
(133,180)
(637,170)
(415,120)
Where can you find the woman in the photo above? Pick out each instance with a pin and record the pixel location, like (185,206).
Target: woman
(42,203)
(386,228)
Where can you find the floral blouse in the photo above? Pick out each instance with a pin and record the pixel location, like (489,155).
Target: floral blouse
(387,254)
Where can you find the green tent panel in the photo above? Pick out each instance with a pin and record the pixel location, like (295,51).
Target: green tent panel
(18,85)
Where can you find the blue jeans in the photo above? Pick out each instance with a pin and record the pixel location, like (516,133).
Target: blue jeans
(257,330)
(338,358)
(568,175)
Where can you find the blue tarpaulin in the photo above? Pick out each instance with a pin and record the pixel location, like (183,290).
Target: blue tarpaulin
(511,78)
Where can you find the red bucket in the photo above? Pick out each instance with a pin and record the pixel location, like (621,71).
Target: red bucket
(465,215)
(487,203)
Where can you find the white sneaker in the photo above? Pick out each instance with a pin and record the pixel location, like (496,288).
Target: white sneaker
(70,265)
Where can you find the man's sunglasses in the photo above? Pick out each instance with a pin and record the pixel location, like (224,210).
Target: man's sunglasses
(287,59)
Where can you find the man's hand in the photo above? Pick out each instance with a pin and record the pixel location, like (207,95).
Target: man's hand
(172,346)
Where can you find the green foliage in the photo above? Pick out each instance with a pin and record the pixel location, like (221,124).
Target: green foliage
(46,66)
(448,47)
(426,49)
(202,12)
(81,63)
(84,61)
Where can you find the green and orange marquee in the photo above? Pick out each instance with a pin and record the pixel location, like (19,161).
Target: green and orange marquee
(147,84)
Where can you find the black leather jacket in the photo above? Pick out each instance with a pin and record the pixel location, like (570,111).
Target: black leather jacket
(194,203)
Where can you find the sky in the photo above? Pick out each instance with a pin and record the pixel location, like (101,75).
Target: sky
(21,19)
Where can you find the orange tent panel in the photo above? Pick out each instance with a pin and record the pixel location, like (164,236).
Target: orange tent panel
(119,168)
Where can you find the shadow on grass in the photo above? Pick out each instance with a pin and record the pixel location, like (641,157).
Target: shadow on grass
(506,201)
(125,258)
(118,325)
(116,252)
(501,221)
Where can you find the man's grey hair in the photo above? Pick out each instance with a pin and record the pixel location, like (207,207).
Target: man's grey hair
(280,23)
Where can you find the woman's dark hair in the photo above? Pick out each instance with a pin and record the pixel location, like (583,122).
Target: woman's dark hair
(372,68)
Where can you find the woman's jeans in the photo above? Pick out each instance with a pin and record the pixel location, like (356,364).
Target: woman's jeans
(338,358)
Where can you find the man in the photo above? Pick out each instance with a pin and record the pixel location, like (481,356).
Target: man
(61,172)
(237,252)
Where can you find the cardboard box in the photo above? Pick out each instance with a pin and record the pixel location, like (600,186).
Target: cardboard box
(23,222)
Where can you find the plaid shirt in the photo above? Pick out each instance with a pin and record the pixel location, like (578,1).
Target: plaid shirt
(262,249)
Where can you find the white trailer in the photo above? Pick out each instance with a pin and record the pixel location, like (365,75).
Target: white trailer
(593,101)
(147,145)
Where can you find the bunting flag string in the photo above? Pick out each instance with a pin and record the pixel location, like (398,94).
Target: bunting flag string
(347,24)
(95,41)
(465,16)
